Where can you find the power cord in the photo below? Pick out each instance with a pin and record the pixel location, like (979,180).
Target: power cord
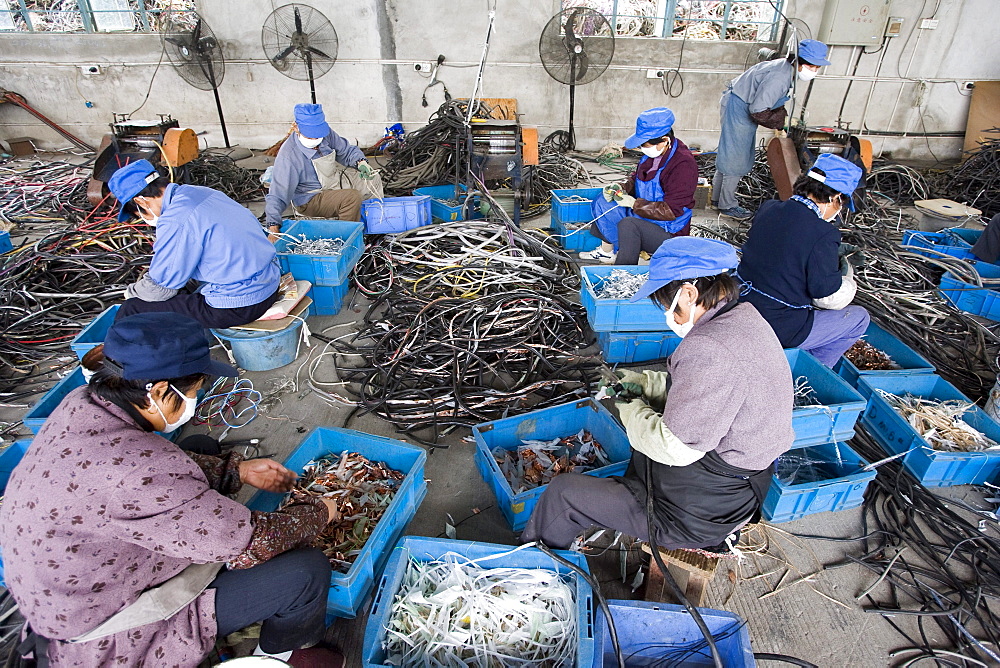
(673,76)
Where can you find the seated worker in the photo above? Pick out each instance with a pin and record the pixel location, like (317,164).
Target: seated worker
(792,268)
(305,172)
(987,246)
(655,203)
(704,433)
(120,549)
(203,235)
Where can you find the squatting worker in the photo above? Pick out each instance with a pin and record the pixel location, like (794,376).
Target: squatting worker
(120,549)
(792,267)
(655,203)
(306,175)
(203,235)
(756,97)
(709,427)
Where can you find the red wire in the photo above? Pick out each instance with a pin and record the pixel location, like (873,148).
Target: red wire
(58,338)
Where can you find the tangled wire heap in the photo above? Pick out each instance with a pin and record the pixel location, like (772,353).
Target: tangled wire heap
(468,324)
(456,613)
(40,191)
(363,490)
(223,174)
(977,179)
(940,423)
(535,463)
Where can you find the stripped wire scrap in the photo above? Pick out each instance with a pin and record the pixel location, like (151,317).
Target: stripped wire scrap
(536,462)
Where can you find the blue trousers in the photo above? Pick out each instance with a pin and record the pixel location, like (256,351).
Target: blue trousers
(833,332)
(194,306)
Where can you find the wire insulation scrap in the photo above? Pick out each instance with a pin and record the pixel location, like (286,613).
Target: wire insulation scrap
(867,357)
(940,423)
(620,284)
(536,462)
(303,246)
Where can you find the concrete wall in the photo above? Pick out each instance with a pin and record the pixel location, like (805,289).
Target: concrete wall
(373,83)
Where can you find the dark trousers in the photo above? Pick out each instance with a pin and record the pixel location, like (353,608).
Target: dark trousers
(287,593)
(634,236)
(195,306)
(987,247)
(200,444)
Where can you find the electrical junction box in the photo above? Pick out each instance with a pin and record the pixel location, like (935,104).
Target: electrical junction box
(854,22)
(895,26)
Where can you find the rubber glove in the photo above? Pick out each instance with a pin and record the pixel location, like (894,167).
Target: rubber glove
(632,383)
(609,191)
(484,207)
(366,170)
(625,200)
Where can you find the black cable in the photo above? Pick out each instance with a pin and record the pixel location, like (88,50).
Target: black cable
(783,658)
(673,76)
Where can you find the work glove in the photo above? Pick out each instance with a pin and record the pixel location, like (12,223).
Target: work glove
(845,267)
(484,207)
(366,170)
(780,133)
(854,255)
(632,382)
(627,410)
(625,200)
(609,191)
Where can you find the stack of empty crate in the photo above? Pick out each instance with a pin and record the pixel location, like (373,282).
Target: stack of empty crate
(571,218)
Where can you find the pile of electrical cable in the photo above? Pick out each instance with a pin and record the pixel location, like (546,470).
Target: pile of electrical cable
(362,489)
(456,612)
(555,170)
(758,185)
(468,324)
(536,462)
(976,179)
(37,192)
(221,172)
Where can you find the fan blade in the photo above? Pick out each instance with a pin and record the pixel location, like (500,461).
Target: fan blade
(318,52)
(284,54)
(298,21)
(196,33)
(582,65)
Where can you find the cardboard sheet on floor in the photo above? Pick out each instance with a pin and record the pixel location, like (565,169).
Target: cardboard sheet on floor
(984,114)
(278,325)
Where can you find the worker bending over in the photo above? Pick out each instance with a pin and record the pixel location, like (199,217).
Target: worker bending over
(704,433)
(203,235)
(655,202)
(122,550)
(987,246)
(756,97)
(792,267)
(306,175)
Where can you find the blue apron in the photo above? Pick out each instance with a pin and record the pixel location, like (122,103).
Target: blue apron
(607,214)
(736,154)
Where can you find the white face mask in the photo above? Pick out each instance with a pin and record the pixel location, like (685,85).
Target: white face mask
(680,330)
(152,222)
(806,74)
(652,151)
(832,218)
(189,406)
(310,143)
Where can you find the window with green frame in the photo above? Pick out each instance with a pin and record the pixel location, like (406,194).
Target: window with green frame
(740,20)
(86,15)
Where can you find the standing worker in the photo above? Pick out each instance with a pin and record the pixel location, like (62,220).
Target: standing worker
(756,97)
(305,172)
(655,203)
(793,268)
(203,235)
(122,550)
(704,433)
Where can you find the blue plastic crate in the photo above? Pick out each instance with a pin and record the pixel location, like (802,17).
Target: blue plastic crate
(348,590)
(909,360)
(328,300)
(93,334)
(965,235)
(441,202)
(617,315)
(840,404)
(842,489)
(322,270)
(933,468)
(546,424)
(650,633)
(5,243)
(571,238)
(430,549)
(629,347)
(970,298)
(937,243)
(10,458)
(391,215)
(568,210)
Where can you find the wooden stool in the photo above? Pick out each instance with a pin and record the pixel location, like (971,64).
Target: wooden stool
(691,570)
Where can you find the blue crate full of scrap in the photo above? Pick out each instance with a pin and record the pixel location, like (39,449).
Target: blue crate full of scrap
(348,590)
(546,424)
(321,270)
(449,203)
(835,406)
(617,315)
(935,244)
(972,298)
(491,556)
(815,479)
(391,215)
(93,334)
(9,458)
(664,634)
(910,362)
(632,347)
(574,237)
(933,468)
(574,205)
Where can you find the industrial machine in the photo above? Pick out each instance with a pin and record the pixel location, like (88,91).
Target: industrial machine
(788,156)
(498,151)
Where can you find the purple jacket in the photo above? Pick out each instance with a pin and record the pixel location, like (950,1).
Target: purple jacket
(98,511)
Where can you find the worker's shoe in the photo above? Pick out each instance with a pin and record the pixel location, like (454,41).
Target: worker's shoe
(599,255)
(737,213)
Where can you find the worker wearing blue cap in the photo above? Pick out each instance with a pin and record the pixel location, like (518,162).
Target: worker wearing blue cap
(757,97)
(655,203)
(704,450)
(306,173)
(201,234)
(792,265)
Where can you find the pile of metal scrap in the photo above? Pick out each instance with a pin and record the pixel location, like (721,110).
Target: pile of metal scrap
(867,357)
(535,462)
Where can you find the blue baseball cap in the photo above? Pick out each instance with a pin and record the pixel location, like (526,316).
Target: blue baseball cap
(839,174)
(311,121)
(813,52)
(129,181)
(685,258)
(651,124)
(155,346)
